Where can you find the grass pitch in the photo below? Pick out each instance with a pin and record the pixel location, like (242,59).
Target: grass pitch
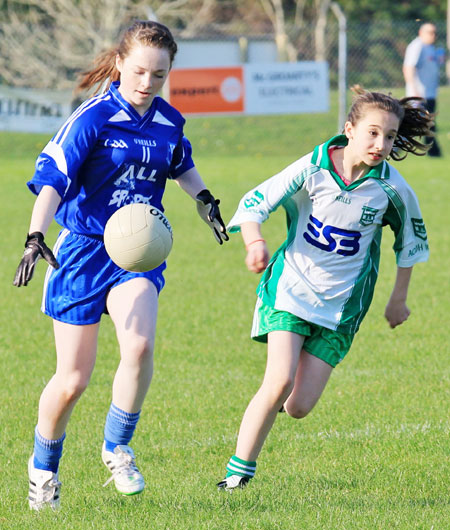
(373,454)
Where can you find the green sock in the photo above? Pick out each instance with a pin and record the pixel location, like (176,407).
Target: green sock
(237,466)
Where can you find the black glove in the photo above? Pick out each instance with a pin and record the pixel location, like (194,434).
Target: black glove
(208,209)
(35,248)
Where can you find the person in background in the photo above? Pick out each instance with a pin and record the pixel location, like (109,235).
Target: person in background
(421,67)
(118,147)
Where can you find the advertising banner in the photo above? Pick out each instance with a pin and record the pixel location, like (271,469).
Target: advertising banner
(286,88)
(29,110)
(266,88)
(207,90)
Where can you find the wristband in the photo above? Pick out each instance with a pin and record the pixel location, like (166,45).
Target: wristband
(251,243)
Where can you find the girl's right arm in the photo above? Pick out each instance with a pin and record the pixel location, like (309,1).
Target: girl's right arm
(257,254)
(44,209)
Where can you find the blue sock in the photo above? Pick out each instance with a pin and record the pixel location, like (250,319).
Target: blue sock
(119,427)
(47,453)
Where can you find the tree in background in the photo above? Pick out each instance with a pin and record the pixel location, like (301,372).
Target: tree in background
(44,43)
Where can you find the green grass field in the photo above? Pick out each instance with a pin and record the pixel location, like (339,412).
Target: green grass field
(373,454)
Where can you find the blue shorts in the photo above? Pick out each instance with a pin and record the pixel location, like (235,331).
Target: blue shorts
(76,292)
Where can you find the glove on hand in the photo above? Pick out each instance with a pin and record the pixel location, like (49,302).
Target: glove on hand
(34,249)
(208,209)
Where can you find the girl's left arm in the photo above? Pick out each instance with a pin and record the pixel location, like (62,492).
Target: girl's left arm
(207,206)
(191,182)
(396,310)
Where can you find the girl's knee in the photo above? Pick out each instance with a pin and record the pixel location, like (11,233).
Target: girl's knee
(73,386)
(280,389)
(298,410)
(138,350)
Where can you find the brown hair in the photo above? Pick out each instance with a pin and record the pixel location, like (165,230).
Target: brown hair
(145,32)
(415,120)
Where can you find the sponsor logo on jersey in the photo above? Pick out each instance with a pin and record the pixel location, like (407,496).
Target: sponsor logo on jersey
(339,240)
(127,184)
(121,197)
(256,199)
(341,198)
(116,144)
(133,173)
(148,143)
(368,215)
(419,228)
(420,247)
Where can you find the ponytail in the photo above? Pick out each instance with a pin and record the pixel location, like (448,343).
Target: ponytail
(415,120)
(141,32)
(102,73)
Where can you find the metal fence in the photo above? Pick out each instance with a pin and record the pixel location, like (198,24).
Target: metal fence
(375,50)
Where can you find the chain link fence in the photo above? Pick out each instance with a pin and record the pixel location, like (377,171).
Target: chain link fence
(375,50)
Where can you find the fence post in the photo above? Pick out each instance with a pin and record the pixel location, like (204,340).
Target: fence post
(342,64)
(447,62)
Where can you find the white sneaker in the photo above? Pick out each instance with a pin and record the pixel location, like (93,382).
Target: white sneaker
(232,482)
(126,475)
(44,488)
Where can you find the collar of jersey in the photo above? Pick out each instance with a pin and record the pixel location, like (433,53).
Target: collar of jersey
(128,107)
(322,159)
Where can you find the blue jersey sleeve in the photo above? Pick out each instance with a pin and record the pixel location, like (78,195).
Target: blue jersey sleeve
(59,163)
(182,158)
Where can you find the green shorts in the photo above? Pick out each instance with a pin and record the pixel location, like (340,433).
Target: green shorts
(326,344)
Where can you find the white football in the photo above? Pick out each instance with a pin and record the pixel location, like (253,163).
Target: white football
(138,237)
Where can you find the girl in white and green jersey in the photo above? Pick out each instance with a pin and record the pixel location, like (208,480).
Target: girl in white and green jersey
(318,286)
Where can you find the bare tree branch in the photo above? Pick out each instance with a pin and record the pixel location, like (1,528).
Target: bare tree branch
(275,11)
(43,43)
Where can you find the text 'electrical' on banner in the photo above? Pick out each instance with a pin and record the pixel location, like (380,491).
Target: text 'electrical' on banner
(276,88)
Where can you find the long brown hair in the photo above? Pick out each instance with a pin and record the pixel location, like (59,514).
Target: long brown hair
(144,32)
(415,121)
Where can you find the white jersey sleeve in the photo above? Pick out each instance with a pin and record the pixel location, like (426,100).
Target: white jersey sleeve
(403,215)
(260,202)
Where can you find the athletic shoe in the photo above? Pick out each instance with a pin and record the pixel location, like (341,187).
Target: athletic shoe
(44,488)
(233,482)
(126,475)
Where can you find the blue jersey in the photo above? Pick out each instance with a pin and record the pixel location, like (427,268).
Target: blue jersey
(106,155)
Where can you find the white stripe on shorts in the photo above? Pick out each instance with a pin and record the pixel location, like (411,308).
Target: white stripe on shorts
(64,233)
(255,324)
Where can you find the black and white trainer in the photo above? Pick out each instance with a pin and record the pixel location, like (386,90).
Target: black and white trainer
(44,488)
(233,482)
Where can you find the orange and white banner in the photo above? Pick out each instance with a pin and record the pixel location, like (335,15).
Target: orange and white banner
(207,90)
(266,88)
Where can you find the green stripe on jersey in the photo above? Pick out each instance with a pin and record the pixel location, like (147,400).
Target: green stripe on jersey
(362,293)
(359,301)
(267,288)
(297,184)
(395,215)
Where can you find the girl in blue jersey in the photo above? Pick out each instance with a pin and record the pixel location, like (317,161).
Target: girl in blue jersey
(117,148)
(318,286)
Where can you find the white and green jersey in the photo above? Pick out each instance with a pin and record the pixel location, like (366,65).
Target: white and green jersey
(325,271)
